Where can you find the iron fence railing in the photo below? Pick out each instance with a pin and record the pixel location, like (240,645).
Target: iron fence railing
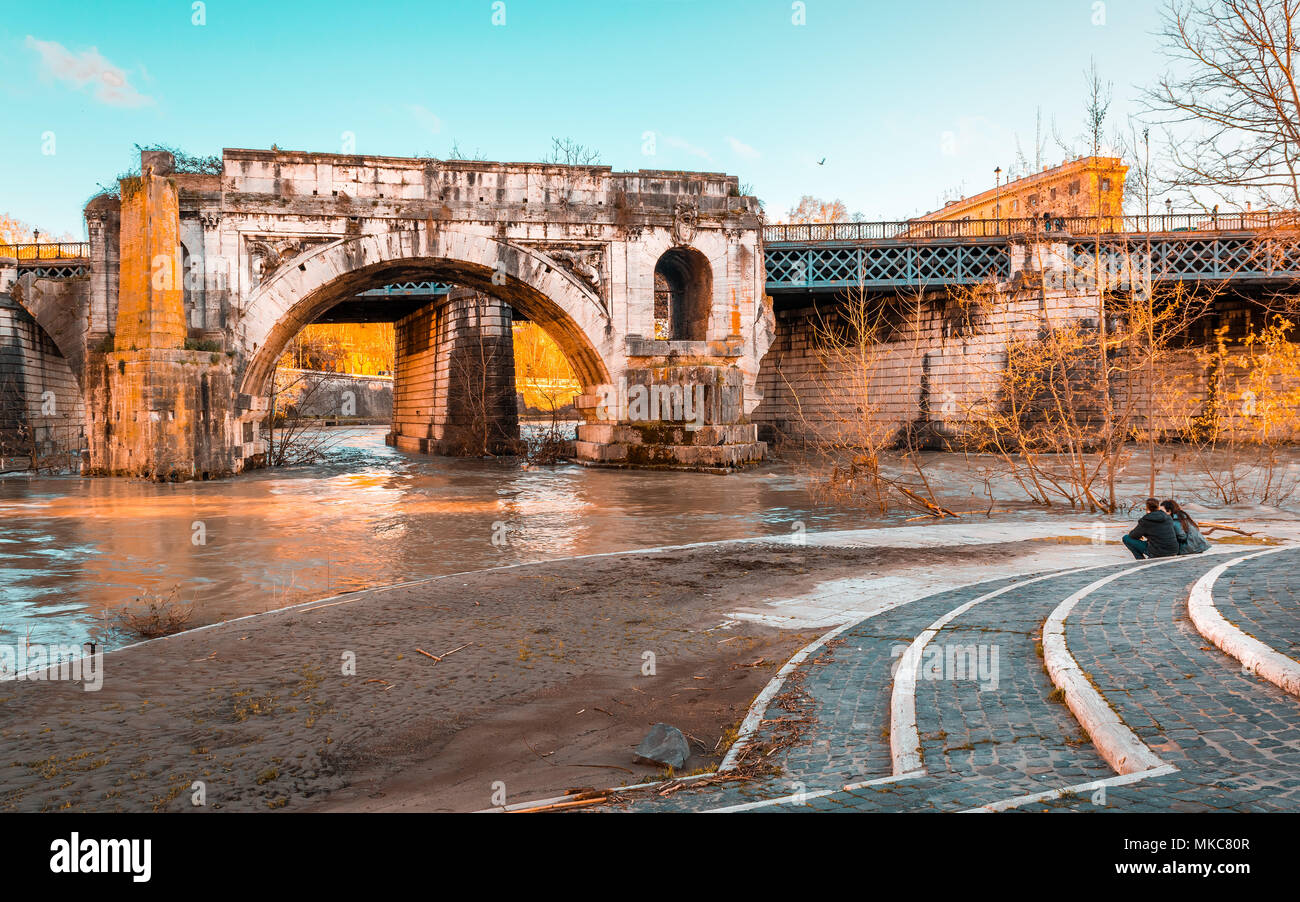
(1249,221)
(53,250)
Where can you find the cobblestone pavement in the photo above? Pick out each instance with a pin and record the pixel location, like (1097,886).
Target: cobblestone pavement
(995,730)
(1262,597)
(1234,737)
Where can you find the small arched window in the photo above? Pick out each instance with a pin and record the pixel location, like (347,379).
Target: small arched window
(683,295)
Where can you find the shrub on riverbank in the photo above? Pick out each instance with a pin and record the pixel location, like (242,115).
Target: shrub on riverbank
(152,616)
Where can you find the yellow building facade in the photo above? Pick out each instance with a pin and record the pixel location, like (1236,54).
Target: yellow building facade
(1088,186)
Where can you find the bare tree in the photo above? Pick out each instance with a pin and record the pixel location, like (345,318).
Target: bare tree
(814,209)
(456,153)
(1134,147)
(1095,112)
(568,152)
(1232,97)
(295,436)
(859,453)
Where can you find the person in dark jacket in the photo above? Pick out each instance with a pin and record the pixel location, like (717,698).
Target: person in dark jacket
(1154,535)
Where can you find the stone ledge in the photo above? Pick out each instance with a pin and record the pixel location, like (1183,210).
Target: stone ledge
(703,458)
(668,434)
(649,347)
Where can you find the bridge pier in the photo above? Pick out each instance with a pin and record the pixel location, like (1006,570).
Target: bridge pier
(678,405)
(454,378)
(158,405)
(41,412)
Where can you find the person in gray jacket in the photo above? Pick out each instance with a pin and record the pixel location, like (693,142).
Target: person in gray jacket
(1190,540)
(1154,535)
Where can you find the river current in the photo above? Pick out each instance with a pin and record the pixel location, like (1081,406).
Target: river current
(73,548)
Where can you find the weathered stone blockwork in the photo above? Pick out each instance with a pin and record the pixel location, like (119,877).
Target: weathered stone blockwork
(454,381)
(671,415)
(936,371)
(932,374)
(163,414)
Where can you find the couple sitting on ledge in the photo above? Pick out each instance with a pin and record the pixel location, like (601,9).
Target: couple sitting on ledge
(1165,530)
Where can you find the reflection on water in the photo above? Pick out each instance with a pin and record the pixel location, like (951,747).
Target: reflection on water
(371,515)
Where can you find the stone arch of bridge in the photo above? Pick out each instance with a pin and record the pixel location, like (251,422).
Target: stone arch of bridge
(42,391)
(46,302)
(527,280)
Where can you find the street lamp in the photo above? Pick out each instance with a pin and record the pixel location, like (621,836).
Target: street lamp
(1146,173)
(997,198)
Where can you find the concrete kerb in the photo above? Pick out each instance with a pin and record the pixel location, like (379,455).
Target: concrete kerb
(1255,656)
(1115,742)
(750,725)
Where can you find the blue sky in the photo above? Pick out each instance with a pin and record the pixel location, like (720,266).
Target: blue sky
(904,100)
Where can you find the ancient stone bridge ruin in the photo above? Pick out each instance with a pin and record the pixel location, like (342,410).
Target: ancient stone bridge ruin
(196,284)
(693,327)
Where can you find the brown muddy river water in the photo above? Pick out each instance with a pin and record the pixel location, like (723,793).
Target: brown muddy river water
(72,548)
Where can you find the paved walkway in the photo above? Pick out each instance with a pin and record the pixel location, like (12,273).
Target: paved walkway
(991,730)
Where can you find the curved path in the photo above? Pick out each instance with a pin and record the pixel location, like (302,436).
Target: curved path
(1253,614)
(1235,738)
(972,720)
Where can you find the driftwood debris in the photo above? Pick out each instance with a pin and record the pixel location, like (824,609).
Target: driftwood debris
(934,509)
(1210,527)
(560,806)
(438,658)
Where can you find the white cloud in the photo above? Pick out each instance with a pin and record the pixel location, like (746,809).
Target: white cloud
(683,145)
(742,148)
(88,70)
(425,117)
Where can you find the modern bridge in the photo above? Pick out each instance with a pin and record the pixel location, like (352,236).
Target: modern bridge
(827,257)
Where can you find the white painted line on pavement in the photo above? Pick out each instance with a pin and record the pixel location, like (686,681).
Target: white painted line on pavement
(1121,780)
(800,798)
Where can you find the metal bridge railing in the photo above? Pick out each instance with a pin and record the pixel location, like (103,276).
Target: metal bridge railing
(54,250)
(1262,220)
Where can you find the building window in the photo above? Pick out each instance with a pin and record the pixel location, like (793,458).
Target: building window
(1074,187)
(1105,184)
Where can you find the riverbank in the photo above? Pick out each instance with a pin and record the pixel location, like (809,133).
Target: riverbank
(529,679)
